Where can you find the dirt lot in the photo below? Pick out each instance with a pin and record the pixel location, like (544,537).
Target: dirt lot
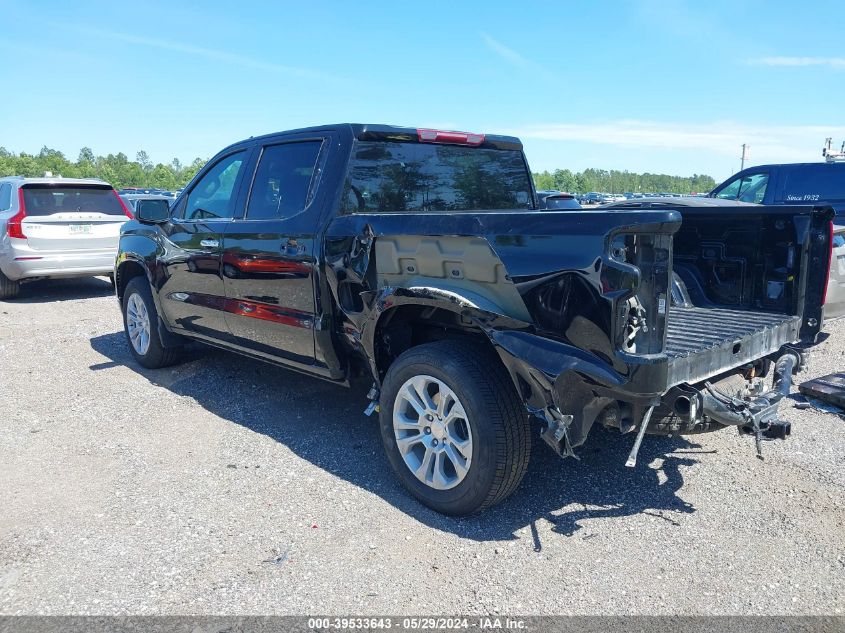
(226,486)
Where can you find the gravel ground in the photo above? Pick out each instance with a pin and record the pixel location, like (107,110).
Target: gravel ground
(225,486)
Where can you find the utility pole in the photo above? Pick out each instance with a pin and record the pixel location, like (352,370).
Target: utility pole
(745,149)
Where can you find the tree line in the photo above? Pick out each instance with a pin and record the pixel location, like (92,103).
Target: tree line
(120,172)
(116,169)
(615,181)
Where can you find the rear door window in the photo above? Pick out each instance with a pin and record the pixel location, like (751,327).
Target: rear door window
(420,178)
(283,180)
(814,183)
(41,200)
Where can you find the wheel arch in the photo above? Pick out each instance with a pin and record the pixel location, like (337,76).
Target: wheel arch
(126,270)
(408,317)
(129,268)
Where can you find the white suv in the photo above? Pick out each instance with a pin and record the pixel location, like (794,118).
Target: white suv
(57,227)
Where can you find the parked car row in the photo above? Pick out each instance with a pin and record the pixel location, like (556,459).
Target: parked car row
(595,197)
(148,192)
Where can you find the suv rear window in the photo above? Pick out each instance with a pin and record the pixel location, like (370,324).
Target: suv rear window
(388,177)
(814,183)
(50,199)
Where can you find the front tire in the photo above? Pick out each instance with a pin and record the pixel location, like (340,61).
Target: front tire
(454,429)
(140,323)
(8,289)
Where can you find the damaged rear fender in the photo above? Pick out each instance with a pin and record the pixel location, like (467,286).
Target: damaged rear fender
(474,310)
(555,379)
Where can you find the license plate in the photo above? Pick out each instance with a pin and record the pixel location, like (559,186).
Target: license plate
(78,229)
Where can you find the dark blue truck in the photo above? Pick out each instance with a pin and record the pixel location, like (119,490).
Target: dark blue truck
(791,183)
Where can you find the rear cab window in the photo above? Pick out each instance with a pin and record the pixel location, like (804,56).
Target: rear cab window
(397,177)
(41,200)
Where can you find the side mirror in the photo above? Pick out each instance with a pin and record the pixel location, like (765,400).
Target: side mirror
(152,211)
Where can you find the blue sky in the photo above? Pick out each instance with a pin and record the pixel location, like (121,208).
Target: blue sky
(648,85)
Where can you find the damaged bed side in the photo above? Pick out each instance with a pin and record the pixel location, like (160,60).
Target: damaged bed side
(580,309)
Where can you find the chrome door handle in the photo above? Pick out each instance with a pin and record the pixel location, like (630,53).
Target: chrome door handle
(209,243)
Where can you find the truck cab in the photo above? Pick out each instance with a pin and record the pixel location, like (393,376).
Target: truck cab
(790,183)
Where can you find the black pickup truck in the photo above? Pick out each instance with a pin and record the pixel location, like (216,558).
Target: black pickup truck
(419,260)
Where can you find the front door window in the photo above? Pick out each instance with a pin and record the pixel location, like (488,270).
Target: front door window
(213,197)
(750,188)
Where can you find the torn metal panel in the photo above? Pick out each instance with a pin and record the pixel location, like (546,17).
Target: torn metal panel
(543,299)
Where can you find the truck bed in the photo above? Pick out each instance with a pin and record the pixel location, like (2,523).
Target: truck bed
(703,342)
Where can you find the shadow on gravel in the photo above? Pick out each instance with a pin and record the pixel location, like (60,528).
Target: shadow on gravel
(51,290)
(307,415)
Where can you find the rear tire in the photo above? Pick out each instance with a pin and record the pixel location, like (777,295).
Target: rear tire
(493,429)
(8,289)
(140,323)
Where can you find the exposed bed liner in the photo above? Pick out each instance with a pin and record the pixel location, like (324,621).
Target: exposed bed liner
(701,342)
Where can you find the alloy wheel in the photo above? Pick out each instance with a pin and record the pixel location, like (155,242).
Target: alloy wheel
(432,432)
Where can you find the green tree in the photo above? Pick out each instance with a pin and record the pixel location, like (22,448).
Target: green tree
(115,169)
(564,180)
(53,160)
(162,177)
(144,160)
(615,181)
(544,181)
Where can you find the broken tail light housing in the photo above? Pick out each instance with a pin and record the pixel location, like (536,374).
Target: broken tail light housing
(641,311)
(442,136)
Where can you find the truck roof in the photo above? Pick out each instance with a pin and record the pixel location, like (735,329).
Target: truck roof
(377,131)
(791,165)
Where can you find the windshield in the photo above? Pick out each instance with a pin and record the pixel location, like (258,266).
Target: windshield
(419,177)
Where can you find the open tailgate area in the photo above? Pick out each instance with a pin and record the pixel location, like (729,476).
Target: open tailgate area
(703,342)
(734,286)
(752,279)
